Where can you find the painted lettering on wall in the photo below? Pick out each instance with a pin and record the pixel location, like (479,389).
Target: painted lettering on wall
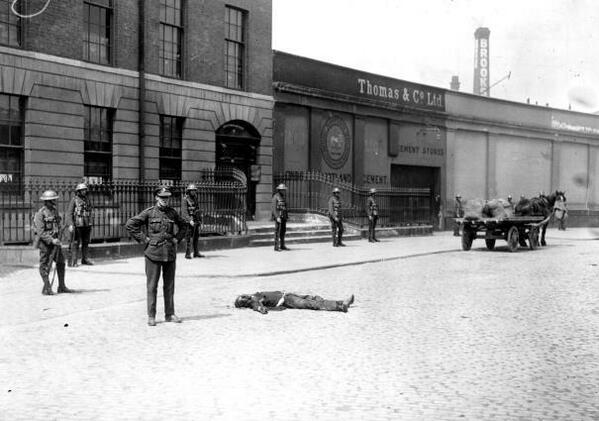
(562,125)
(421,150)
(374,179)
(406,95)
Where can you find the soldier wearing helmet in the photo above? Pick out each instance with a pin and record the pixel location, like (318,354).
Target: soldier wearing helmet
(48,232)
(372,211)
(79,221)
(336,218)
(164,229)
(190,211)
(459,213)
(280,215)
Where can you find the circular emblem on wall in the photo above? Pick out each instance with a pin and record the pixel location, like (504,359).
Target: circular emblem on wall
(335,142)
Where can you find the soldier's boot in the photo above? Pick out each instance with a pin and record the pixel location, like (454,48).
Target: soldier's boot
(188,251)
(349,300)
(196,253)
(340,242)
(341,306)
(85,260)
(283,246)
(47,289)
(335,244)
(277,246)
(74,256)
(62,288)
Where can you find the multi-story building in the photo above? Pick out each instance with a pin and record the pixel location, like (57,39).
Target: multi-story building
(83,95)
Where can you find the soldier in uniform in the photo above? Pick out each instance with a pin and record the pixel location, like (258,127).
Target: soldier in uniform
(78,219)
(160,241)
(336,218)
(262,301)
(373,215)
(48,231)
(459,213)
(192,213)
(279,214)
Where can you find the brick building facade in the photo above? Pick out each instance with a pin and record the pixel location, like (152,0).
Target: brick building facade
(71,79)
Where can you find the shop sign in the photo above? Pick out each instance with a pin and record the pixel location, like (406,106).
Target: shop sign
(402,93)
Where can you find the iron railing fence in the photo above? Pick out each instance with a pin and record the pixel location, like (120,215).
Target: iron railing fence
(222,200)
(397,206)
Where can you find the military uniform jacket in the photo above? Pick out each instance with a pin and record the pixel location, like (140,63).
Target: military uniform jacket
(334,207)
(79,212)
(371,207)
(160,227)
(47,224)
(191,209)
(279,206)
(266,299)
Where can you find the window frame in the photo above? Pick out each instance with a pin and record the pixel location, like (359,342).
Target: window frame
(13,20)
(175,30)
(240,44)
(13,185)
(89,140)
(175,132)
(107,24)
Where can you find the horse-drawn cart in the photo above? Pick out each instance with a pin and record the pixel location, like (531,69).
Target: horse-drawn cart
(516,230)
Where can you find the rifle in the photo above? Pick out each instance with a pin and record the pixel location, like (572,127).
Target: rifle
(53,255)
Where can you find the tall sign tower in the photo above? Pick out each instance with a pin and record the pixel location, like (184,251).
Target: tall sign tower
(481,62)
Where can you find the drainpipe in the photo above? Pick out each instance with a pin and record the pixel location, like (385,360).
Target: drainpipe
(141,66)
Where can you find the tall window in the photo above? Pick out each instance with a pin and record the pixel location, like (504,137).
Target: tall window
(96,30)
(234,47)
(171,37)
(10,24)
(11,140)
(98,142)
(171,132)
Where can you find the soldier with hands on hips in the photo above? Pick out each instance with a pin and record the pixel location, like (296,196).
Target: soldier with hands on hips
(336,218)
(79,221)
(48,232)
(192,213)
(280,215)
(372,211)
(160,239)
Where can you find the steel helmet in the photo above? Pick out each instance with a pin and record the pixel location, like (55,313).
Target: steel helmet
(372,190)
(191,187)
(49,195)
(81,186)
(336,190)
(163,192)
(281,187)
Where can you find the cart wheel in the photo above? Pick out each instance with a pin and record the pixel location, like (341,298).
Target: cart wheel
(533,238)
(512,239)
(467,238)
(490,243)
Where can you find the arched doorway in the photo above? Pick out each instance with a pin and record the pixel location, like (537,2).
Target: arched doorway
(237,145)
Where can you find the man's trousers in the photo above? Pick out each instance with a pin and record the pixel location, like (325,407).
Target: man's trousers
(311,302)
(153,269)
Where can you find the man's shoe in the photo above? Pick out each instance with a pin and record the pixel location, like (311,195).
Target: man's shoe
(277,249)
(284,248)
(47,291)
(198,255)
(343,307)
(64,290)
(341,245)
(151,321)
(188,256)
(86,262)
(349,301)
(173,319)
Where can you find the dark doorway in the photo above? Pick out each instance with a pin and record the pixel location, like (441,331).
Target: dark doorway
(420,205)
(237,145)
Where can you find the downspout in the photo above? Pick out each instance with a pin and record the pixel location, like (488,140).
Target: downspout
(141,66)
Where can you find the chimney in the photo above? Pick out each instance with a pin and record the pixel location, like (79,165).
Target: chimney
(481,62)
(455,83)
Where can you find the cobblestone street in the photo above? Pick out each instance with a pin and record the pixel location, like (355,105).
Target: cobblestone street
(435,334)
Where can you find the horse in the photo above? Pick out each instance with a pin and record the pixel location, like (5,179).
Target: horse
(539,206)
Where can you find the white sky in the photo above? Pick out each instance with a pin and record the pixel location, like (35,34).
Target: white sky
(551,47)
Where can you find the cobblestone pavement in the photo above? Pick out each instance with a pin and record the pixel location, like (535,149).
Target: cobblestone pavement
(435,334)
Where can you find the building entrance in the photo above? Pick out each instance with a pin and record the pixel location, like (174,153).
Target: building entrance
(425,181)
(237,144)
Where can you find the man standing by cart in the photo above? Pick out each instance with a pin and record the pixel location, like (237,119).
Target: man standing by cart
(160,241)
(48,231)
(79,221)
(192,213)
(279,214)
(459,213)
